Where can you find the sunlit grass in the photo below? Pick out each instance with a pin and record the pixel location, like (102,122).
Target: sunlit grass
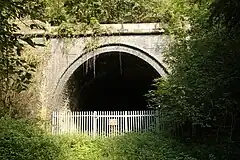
(24,140)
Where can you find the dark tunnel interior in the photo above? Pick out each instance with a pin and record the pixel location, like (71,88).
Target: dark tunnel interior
(109,82)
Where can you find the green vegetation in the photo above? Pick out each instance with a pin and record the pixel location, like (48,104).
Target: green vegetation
(201,93)
(203,84)
(24,140)
(15,71)
(107,11)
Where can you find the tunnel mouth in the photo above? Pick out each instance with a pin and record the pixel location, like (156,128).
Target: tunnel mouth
(112,81)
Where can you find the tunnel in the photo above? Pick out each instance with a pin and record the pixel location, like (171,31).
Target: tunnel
(112,81)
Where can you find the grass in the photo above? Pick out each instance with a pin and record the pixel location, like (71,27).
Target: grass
(24,140)
(132,146)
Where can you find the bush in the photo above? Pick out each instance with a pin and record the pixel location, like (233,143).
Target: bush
(23,140)
(144,146)
(127,147)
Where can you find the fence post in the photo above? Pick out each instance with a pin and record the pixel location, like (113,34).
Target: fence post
(126,123)
(53,122)
(94,123)
(157,121)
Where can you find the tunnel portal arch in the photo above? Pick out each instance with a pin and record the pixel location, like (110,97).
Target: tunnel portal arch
(105,49)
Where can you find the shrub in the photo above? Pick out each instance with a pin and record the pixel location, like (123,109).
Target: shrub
(130,146)
(23,140)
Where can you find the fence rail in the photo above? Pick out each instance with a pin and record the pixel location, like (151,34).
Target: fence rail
(103,123)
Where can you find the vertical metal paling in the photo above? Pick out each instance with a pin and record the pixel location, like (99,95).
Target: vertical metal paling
(144,121)
(126,122)
(62,122)
(98,122)
(74,122)
(113,127)
(107,119)
(135,120)
(71,122)
(157,121)
(134,124)
(91,122)
(89,117)
(94,123)
(78,121)
(107,124)
(86,118)
(141,124)
(58,125)
(53,122)
(120,122)
(117,125)
(88,122)
(129,121)
(66,122)
(147,120)
(82,122)
(102,123)
(138,121)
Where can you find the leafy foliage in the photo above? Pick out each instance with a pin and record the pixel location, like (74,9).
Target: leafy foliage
(112,11)
(226,12)
(15,72)
(129,146)
(24,140)
(203,87)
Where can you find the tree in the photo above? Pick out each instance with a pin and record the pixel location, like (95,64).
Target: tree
(203,87)
(15,72)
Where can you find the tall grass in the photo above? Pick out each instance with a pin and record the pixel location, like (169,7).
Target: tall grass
(24,140)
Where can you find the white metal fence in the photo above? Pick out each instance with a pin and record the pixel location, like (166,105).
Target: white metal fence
(103,123)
